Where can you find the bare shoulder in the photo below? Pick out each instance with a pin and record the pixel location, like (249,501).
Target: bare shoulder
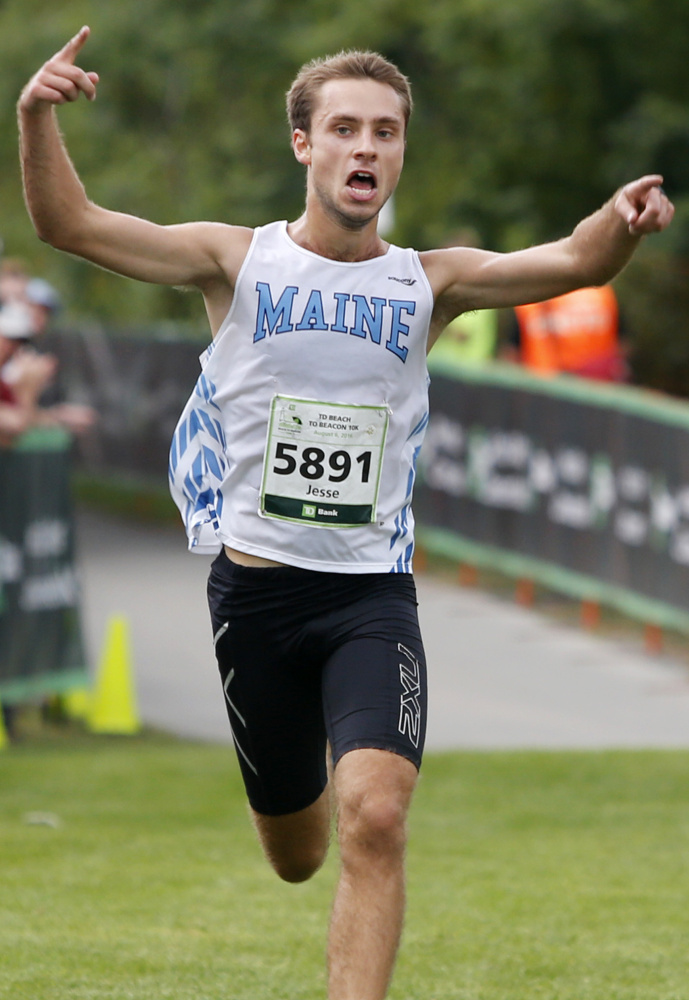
(228,245)
(238,241)
(452,273)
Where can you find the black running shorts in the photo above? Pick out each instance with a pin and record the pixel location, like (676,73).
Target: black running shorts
(307,657)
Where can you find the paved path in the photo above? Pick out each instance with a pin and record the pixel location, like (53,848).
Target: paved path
(500,675)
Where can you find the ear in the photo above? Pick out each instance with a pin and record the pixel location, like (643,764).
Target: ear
(301,146)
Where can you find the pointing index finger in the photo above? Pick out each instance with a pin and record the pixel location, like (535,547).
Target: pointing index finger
(646,184)
(71,50)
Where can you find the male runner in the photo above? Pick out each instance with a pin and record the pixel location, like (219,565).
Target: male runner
(295,457)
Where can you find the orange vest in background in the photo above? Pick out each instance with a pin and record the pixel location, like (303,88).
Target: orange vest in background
(575,333)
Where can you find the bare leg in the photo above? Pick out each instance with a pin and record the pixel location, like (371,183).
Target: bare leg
(296,844)
(373,791)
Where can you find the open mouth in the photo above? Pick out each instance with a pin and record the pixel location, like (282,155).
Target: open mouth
(362,183)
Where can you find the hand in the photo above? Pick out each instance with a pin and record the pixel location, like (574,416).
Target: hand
(644,206)
(30,373)
(59,80)
(73,417)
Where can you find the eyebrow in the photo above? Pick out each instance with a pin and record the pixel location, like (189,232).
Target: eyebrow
(385,120)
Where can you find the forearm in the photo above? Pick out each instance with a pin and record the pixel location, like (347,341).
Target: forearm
(55,197)
(598,248)
(197,254)
(18,419)
(601,245)
(64,216)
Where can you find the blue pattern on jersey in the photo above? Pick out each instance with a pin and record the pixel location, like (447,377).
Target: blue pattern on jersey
(196,473)
(421,426)
(402,521)
(404,561)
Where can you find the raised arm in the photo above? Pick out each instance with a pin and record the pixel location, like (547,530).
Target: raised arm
(202,254)
(598,248)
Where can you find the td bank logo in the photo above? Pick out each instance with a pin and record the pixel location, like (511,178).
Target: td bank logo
(308,510)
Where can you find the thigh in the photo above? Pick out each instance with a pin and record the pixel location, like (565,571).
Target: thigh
(374,684)
(272,691)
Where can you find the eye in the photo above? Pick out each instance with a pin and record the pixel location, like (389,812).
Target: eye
(343,130)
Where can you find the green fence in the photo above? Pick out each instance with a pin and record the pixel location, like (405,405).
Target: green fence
(579,486)
(41,649)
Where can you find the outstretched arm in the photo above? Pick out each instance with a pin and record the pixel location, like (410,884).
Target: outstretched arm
(598,248)
(193,254)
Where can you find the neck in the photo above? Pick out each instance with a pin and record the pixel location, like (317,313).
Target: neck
(328,237)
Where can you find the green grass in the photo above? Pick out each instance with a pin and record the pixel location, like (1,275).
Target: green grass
(531,875)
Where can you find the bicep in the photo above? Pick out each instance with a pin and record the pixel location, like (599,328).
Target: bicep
(481,279)
(186,254)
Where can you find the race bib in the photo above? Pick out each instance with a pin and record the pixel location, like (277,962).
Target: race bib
(322,462)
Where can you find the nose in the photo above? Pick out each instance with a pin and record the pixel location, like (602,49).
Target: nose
(366,147)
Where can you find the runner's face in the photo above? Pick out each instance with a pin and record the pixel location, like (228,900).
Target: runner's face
(354,150)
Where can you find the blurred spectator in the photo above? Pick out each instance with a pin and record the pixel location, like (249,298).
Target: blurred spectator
(43,301)
(24,375)
(27,305)
(578,333)
(17,285)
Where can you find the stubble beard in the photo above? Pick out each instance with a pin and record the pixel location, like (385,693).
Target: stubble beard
(349,221)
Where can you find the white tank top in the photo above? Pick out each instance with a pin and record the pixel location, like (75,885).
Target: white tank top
(299,442)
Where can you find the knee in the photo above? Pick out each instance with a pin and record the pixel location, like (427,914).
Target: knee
(376,825)
(296,844)
(297,865)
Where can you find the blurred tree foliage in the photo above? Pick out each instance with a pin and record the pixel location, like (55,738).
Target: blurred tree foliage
(528,115)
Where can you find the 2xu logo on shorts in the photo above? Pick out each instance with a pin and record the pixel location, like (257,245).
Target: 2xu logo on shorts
(410,706)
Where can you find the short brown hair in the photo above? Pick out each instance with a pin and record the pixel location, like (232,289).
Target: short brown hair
(345,65)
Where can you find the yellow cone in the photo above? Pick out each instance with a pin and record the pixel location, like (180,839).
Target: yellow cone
(4,738)
(76,703)
(113,705)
